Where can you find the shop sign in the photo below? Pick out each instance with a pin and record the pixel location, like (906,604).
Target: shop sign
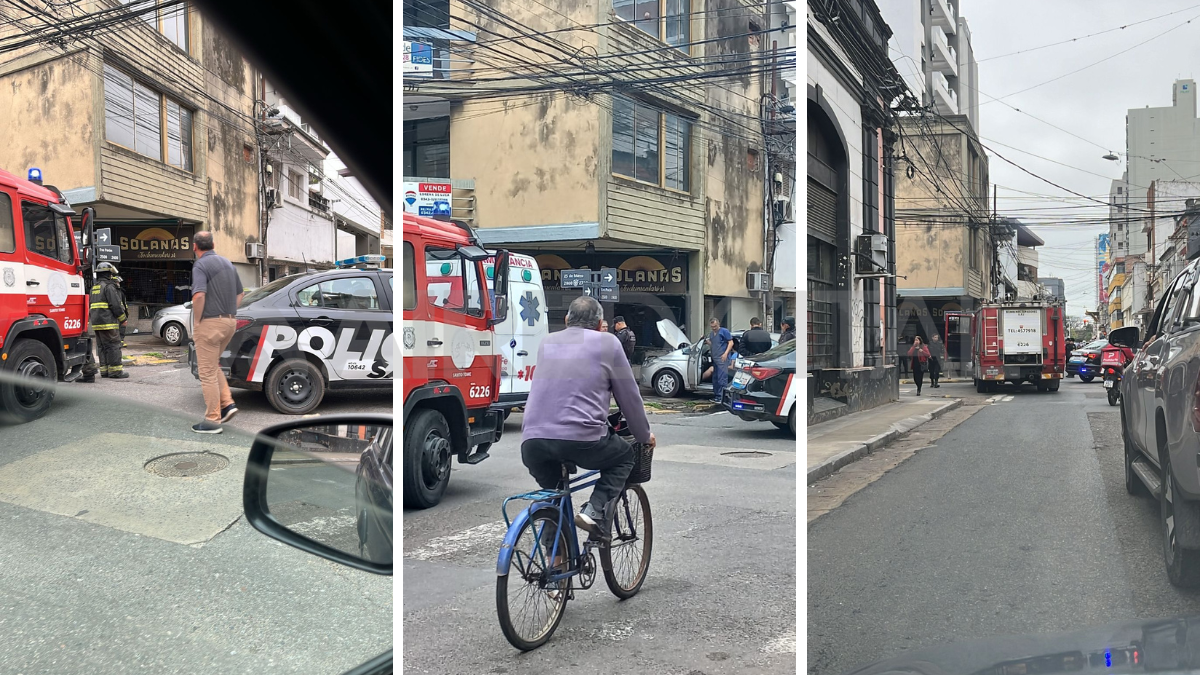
(418,59)
(158,242)
(634,274)
(428,199)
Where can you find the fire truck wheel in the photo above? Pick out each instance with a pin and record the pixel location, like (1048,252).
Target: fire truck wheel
(294,387)
(427,454)
(980,386)
(26,400)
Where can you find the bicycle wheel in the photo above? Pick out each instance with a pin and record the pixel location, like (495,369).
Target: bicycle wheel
(529,607)
(626,558)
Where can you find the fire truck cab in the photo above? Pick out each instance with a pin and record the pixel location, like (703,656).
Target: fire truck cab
(451,359)
(43,295)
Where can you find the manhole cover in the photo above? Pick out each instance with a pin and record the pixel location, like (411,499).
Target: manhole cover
(186,464)
(746,454)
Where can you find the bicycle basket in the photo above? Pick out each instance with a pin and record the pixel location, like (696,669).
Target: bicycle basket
(643,454)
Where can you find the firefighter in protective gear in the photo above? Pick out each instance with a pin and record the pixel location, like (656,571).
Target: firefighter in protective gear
(108,312)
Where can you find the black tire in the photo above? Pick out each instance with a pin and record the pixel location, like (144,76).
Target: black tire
(627,514)
(525,570)
(792,421)
(980,386)
(428,452)
(1183,565)
(1112,396)
(782,426)
(667,383)
(1086,378)
(294,386)
(1133,484)
(27,380)
(1054,385)
(174,334)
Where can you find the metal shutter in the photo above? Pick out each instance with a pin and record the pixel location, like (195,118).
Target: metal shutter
(822,212)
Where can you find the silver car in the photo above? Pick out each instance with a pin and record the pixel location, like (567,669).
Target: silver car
(684,369)
(171,324)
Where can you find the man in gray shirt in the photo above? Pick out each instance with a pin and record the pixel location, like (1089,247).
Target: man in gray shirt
(579,371)
(216,294)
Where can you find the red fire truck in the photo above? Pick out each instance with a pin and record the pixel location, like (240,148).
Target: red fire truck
(43,295)
(451,359)
(1018,341)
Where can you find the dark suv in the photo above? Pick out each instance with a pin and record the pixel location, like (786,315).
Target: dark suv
(1160,421)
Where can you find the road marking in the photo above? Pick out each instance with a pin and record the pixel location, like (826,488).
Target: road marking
(491,534)
(1008,398)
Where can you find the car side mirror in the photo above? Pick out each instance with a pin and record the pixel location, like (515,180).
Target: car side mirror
(187,305)
(324,485)
(500,287)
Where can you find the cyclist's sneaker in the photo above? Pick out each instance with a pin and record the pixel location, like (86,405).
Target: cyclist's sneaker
(589,519)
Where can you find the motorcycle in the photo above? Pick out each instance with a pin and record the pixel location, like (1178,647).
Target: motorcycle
(1112,365)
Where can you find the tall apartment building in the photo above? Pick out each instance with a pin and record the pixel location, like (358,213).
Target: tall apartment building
(945,243)
(664,182)
(150,122)
(1162,144)
(931,48)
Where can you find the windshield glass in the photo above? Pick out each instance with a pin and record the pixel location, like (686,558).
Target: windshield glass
(778,350)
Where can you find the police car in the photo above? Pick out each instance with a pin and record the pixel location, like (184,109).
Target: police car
(303,334)
(764,386)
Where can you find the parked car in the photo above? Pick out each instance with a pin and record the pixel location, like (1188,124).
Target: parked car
(302,334)
(172,324)
(1085,361)
(686,367)
(1160,418)
(764,387)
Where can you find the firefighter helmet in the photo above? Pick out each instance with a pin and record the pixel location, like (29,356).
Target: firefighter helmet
(106,267)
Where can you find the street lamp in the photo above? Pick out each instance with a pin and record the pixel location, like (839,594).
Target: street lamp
(1112,157)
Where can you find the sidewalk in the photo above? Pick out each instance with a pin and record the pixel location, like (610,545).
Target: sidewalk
(834,444)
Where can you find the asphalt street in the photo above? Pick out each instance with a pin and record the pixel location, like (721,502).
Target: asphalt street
(1014,522)
(110,568)
(719,596)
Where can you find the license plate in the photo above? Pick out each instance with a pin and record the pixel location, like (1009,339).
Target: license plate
(741,379)
(1077,359)
(1108,384)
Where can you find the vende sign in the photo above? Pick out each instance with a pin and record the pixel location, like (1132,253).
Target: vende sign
(427,199)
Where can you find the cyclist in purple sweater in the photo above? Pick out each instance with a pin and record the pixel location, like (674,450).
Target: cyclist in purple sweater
(566,416)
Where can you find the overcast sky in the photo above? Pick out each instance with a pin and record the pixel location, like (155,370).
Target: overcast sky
(1091,104)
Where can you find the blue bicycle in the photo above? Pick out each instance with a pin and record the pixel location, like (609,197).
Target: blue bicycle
(541,557)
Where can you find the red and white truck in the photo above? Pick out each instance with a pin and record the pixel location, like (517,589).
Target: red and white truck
(1018,341)
(451,356)
(43,296)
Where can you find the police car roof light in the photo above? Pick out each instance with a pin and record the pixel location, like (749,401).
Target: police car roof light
(372,260)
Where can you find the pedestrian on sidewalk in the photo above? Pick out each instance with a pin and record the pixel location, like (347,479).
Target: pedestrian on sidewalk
(789,329)
(937,352)
(919,356)
(720,344)
(216,294)
(106,314)
(626,335)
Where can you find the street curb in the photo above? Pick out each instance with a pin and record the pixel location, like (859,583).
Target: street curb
(898,430)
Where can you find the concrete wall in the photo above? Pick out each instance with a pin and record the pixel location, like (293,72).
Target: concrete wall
(298,235)
(47,118)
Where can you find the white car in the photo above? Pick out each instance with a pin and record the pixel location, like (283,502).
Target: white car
(684,368)
(171,324)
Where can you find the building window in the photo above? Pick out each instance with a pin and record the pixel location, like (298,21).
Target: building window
(133,118)
(973,236)
(296,182)
(666,20)
(172,22)
(427,148)
(651,146)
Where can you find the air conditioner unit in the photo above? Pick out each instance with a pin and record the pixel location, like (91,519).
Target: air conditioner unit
(273,200)
(758,281)
(255,250)
(871,253)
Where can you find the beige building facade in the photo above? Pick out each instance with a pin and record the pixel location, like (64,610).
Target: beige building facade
(665,183)
(150,124)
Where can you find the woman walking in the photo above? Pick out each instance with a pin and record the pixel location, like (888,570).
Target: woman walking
(919,355)
(937,353)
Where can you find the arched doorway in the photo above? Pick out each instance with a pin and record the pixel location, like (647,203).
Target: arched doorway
(827,232)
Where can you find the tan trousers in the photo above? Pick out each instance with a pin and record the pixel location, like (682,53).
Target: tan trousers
(212,335)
